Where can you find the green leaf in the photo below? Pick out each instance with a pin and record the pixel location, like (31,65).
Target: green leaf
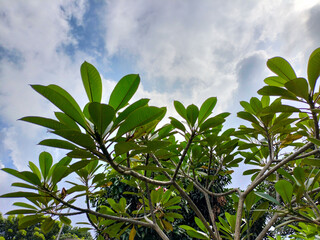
(192,114)
(35,169)
(177,124)
(79,165)
(181,110)
(123,91)
(282,68)
(278,107)
(47,225)
(45,162)
(151,168)
(57,143)
(20,194)
(298,86)
(247,107)
(66,120)
(139,117)
(259,211)
(31,177)
(206,109)
(25,205)
(63,101)
(314,68)
(21,211)
(65,220)
(102,116)
(248,116)
(268,197)
(27,221)
(255,104)
(78,138)
(300,176)
(23,185)
(132,233)
(212,123)
(80,153)
(91,81)
(285,189)
(45,122)
(140,103)
(277,91)
(59,173)
(251,171)
(275,81)
(200,224)
(124,147)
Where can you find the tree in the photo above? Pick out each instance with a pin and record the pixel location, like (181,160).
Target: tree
(9,229)
(162,164)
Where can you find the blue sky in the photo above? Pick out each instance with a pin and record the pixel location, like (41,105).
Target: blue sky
(183,50)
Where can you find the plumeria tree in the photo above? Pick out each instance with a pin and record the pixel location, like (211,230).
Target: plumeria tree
(163,164)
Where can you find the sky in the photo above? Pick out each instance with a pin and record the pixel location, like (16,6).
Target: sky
(184,50)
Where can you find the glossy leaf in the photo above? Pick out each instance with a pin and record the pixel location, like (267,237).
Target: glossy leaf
(45,162)
(275,81)
(123,91)
(102,116)
(206,109)
(285,189)
(281,67)
(139,117)
(212,123)
(91,81)
(63,102)
(66,120)
(35,169)
(314,68)
(192,114)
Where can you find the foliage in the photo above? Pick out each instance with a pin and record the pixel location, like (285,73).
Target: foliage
(9,229)
(163,164)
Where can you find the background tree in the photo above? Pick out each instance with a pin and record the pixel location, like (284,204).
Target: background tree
(164,171)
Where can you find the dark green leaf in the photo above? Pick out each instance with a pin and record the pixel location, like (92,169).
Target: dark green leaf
(45,122)
(78,138)
(91,81)
(285,189)
(25,205)
(281,67)
(177,124)
(139,117)
(277,91)
(206,109)
(27,221)
(79,165)
(140,103)
(31,177)
(299,87)
(20,194)
(123,91)
(255,104)
(45,162)
(62,101)
(101,115)
(57,143)
(65,220)
(124,147)
(211,123)
(21,211)
(314,68)
(80,153)
(248,116)
(251,171)
(268,197)
(192,114)
(180,109)
(66,120)
(47,225)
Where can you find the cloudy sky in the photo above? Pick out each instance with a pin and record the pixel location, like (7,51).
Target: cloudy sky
(183,50)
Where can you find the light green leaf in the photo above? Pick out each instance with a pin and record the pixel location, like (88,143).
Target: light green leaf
(192,114)
(25,205)
(255,104)
(285,189)
(27,221)
(91,81)
(139,117)
(314,68)
(123,91)
(35,169)
(281,67)
(45,163)
(66,120)
(299,175)
(62,101)
(248,116)
(124,147)
(206,109)
(47,225)
(200,224)
(102,116)
(275,81)
(65,220)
